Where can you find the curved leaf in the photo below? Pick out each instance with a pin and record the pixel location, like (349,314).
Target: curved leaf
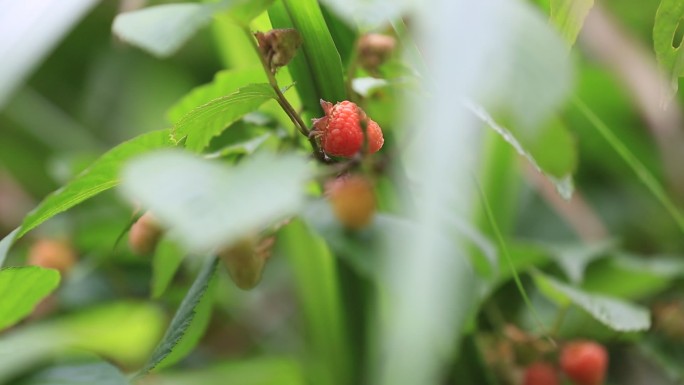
(612,312)
(102,175)
(568,16)
(21,289)
(668,52)
(203,123)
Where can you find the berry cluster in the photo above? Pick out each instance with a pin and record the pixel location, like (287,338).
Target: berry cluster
(583,362)
(343,129)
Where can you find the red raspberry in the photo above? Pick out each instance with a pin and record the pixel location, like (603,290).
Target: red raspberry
(540,373)
(341,132)
(584,362)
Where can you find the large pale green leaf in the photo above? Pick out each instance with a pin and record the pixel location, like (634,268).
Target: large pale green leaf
(124,332)
(89,373)
(616,314)
(668,52)
(208,204)
(574,258)
(203,123)
(224,83)
(317,288)
(21,289)
(162,29)
(102,175)
(568,16)
(188,324)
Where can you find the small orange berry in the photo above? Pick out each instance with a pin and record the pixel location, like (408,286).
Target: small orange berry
(352,201)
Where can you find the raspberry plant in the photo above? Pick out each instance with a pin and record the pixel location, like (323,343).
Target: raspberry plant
(340,192)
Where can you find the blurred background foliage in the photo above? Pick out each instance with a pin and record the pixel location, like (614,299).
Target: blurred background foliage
(92,91)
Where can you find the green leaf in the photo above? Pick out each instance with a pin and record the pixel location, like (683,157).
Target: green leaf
(5,245)
(256,371)
(123,331)
(633,277)
(668,51)
(208,204)
(167,259)
(21,289)
(162,29)
(209,120)
(568,16)
(100,373)
(102,175)
(187,324)
(315,276)
(634,163)
(612,312)
(574,258)
(242,12)
(224,82)
(318,48)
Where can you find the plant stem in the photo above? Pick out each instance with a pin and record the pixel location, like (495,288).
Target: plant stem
(285,104)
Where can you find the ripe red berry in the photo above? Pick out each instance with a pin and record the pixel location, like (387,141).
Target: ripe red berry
(352,200)
(144,235)
(341,130)
(584,362)
(52,254)
(540,373)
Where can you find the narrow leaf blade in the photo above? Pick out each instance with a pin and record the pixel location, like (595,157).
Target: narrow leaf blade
(183,319)
(568,16)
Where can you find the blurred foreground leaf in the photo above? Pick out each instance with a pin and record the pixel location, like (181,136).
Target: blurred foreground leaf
(162,29)
(209,204)
(612,312)
(90,373)
(125,332)
(21,289)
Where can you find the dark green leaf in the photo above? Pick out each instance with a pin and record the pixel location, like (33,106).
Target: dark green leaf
(203,123)
(102,175)
(183,320)
(21,289)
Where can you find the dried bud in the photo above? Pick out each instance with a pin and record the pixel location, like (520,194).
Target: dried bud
(352,200)
(246,259)
(374,49)
(52,254)
(145,235)
(278,46)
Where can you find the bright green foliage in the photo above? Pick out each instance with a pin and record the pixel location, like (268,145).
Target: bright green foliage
(203,123)
(167,260)
(21,289)
(568,16)
(667,20)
